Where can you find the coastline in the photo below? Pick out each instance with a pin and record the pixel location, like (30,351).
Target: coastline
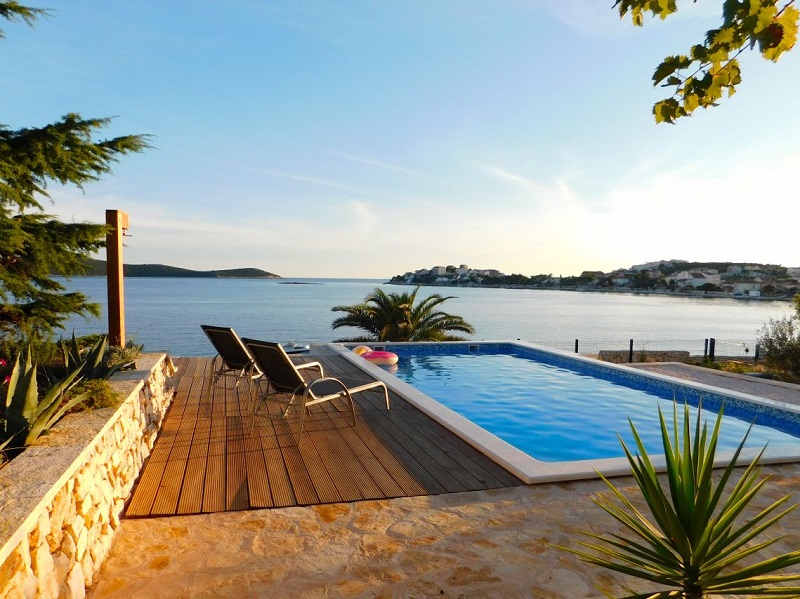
(621,291)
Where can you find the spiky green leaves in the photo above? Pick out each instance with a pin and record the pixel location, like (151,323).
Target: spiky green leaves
(711,70)
(696,541)
(27,414)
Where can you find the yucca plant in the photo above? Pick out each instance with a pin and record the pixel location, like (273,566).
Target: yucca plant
(693,546)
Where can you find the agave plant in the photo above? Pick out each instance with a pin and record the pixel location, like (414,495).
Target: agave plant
(693,547)
(91,365)
(28,415)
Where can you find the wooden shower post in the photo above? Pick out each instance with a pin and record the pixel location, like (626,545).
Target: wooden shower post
(118,221)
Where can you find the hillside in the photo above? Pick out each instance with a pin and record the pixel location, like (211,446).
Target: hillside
(97,268)
(709,279)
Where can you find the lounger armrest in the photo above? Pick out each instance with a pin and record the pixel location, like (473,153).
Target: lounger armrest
(316,365)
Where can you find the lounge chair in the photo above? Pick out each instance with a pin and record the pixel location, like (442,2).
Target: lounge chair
(233,360)
(284,376)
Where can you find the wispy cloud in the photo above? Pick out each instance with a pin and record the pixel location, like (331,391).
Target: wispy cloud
(382,165)
(317,181)
(530,185)
(363,214)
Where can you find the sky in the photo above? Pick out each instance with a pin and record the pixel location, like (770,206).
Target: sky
(319,138)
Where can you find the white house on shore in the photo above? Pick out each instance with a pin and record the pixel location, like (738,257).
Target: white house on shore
(747,288)
(696,279)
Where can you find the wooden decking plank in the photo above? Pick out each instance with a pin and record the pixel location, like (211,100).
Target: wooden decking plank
(169,489)
(407,442)
(387,472)
(307,473)
(487,473)
(257,475)
(149,483)
(351,478)
(214,490)
(366,448)
(191,499)
(280,485)
(188,377)
(236,494)
(408,456)
(180,371)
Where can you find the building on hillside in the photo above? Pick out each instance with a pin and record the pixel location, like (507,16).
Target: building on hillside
(747,288)
(695,279)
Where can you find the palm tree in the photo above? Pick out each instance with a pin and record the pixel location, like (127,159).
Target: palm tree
(394,317)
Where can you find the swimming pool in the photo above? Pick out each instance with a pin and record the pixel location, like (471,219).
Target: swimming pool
(548,415)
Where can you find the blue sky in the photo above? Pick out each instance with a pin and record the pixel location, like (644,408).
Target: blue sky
(368,138)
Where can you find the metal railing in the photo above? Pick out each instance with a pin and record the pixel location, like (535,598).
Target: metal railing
(709,348)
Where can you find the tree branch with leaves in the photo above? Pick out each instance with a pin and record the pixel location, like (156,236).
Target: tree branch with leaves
(711,70)
(35,246)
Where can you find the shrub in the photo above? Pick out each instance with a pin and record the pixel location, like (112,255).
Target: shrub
(95,394)
(697,541)
(122,356)
(780,340)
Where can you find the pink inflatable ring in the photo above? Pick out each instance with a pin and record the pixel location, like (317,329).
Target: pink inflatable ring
(381,358)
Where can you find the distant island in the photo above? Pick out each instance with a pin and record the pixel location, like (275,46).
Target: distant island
(97,268)
(668,277)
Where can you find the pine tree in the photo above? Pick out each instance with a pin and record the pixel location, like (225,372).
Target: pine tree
(35,246)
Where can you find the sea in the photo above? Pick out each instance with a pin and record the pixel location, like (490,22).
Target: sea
(165,314)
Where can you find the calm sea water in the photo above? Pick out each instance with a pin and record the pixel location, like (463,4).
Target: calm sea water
(166,314)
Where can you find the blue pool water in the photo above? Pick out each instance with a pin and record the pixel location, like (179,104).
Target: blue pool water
(557,409)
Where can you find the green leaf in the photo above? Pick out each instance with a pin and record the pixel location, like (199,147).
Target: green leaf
(666,111)
(668,66)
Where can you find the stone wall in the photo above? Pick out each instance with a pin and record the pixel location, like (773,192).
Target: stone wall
(621,356)
(61,499)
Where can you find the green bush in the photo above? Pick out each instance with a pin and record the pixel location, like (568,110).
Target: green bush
(122,356)
(95,394)
(780,340)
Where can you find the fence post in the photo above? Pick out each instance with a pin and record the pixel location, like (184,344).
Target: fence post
(711,346)
(705,349)
(576,346)
(630,353)
(755,354)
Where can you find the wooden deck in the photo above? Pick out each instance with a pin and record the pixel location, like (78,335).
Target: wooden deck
(211,456)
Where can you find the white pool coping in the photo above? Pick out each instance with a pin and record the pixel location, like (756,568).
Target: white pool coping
(531,470)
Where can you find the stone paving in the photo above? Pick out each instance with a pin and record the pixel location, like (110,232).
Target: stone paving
(467,545)
(743,383)
(496,543)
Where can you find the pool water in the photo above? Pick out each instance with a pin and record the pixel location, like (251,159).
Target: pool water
(555,413)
